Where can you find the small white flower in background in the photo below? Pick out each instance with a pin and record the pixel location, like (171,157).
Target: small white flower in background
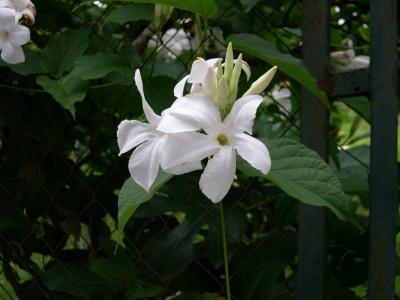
(281,95)
(223,139)
(343,61)
(173,43)
(12,37)
(150,142)
(25,10)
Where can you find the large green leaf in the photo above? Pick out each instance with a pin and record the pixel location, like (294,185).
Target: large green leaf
(132,195)
(62,50)
(67,90)
(97,66)
(131,13)
(302,174)
(205,8)
(291,66)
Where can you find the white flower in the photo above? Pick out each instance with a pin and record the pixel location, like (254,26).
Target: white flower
(173,43)
(281,95)
(219,81)
(223,139)
(12,37)
(150,142)
(23,8)
(344,61)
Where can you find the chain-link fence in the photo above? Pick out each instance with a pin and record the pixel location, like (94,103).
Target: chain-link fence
(60,179)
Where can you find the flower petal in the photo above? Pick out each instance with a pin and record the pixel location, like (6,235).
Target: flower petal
(199,71)
(242,115)
(187,147)
(180,87)
(253,151)
(19,35)
(191,113)
(133,133)
(185,168)
(7,18)
(218,175)
(144,163)
(12,54)
(151,116)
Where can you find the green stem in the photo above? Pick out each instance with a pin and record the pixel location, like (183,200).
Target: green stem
(223,233)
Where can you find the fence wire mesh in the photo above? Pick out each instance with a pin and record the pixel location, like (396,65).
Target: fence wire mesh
(59,181)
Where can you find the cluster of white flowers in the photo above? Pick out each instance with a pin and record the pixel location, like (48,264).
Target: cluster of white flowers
(207,123)
(13,35)
(171,44)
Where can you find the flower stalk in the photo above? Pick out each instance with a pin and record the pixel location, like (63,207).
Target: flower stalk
(225,248)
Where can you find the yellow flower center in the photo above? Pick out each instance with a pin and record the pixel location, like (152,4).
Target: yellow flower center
(222,139)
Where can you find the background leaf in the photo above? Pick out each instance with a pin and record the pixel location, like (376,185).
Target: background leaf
(67,90)
(132,195)
(131,13)
(205,8)
(63,49)
(302,174)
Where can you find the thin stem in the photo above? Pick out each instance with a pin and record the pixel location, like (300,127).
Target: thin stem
(223,234)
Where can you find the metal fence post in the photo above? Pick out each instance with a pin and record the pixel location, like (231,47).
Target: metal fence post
(383,205)
(314,134)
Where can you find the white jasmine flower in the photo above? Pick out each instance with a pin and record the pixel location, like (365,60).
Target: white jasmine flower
(150,142)
(219,81)
(12,37)
(24,9)
(281,95)
(223,139)
(346,60)
(173,43)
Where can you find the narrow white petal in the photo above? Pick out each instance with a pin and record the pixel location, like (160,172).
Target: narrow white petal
(133,133)
(12,54)
(185,168)
(246,69)
(151,116)
(209,85)
(218,175)
(144,163)
(180,87)
(242,115)
(253,151)
(20,35)
(199,71)
(187,147)
(190,113)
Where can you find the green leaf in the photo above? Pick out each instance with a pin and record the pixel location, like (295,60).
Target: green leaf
(205,8)
(249,4)
(74,279)
(288,64)
(62,50)
(132,13)
(360,105)
(67,90)
(97,66)
(302,174)
(132,195)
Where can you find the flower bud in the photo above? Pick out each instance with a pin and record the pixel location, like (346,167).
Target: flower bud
(261,83)
(162,15)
